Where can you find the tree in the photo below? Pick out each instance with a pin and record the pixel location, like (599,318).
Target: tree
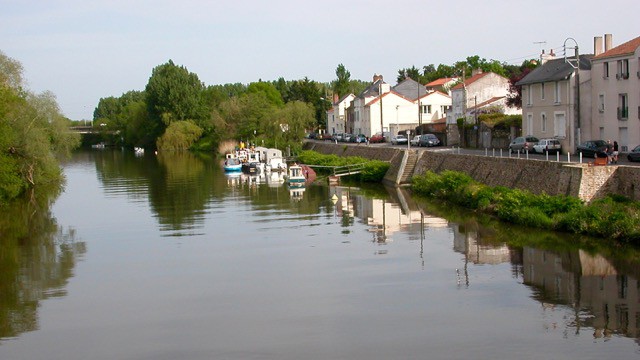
(514,97)
(175,94)
(341,85)
(180,135)
(32,134)
(269,90)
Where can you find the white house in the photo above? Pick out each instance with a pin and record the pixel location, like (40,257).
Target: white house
(337,115)
(616,92)
(481,89)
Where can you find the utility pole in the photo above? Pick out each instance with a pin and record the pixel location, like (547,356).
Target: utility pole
(576,106)
(419,109)
(380,94)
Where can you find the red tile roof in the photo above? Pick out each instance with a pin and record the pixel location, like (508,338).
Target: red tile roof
(627,48)
(439,82)
(471,80)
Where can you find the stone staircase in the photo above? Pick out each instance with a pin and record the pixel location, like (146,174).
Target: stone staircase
(409,166)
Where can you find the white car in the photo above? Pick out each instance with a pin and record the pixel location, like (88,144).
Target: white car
(399,140)
(415,141)
(547,145)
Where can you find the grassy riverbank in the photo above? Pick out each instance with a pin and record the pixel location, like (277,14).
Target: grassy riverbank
(613,217)
(373,170)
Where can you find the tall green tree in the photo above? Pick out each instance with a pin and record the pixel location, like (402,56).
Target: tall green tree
(175,94)
(341,86)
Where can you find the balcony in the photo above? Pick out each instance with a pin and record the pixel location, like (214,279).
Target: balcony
(623,113)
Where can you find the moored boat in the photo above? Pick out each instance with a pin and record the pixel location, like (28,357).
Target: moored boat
(300,175)
(232,164)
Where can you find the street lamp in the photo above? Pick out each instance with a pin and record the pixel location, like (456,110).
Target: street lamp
(397,122)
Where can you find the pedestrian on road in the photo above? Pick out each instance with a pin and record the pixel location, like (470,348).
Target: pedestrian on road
(615,152)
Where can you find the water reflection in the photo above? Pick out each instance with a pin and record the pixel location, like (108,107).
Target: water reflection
(597,285)
(37,258)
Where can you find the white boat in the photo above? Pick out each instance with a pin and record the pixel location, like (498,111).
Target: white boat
(295,177)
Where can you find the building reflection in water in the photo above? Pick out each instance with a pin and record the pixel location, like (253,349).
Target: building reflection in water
(603,299)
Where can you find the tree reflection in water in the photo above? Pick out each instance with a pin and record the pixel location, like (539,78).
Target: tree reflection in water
(37,258)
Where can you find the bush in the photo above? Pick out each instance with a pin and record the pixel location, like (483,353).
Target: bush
(374,170)
(613,217)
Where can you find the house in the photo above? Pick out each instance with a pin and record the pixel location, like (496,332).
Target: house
(553,106)
(430,105)
(615,97)
(380,109)
(482,91)
(443,84)
(337,115)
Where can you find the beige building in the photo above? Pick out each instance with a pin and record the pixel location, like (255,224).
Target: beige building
(550,101)
(616,92)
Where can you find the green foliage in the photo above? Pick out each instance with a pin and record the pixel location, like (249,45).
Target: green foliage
(269,90)
(613,217)
(33,134)
(180,135)
(373,170)
(341,84)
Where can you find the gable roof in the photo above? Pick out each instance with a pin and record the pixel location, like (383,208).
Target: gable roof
(392,92)
(440,82)
(372,90)
(627,48)
(554,70)
(409,88)
(470,80)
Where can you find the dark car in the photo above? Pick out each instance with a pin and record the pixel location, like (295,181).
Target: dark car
(592,147)
(428,140)
(634,155)
(523,144)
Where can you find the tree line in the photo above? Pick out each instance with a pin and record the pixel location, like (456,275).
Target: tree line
(177,111)
(33,134)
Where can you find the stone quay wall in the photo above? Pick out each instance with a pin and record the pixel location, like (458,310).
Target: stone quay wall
(584,181)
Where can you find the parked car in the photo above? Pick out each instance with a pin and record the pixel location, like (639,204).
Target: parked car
(360,138)
(634,155)
(523,144)
(377,138)
(337,137)
(592,147)
(547,145)
(428,140)
(415,141)
(346,137)
(399,140)
(325,136)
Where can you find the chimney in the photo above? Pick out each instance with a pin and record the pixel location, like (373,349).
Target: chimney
(335,98)
(377,77)
(546,57)
(608,40)
(597,45)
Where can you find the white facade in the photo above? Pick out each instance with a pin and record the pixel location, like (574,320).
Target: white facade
(478,89)
(337,115)
(616,95)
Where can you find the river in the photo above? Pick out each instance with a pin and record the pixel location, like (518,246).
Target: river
(167,257)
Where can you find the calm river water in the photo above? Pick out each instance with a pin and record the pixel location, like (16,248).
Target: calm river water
(166,257)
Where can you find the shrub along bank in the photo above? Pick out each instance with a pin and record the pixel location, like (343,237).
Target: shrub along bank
(373,170)
(613,217)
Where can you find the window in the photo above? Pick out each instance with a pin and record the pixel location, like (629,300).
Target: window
(623,69)
(623,107)
(425,109)
(605,70)
(544,122)
(529,96)
(529,124)
(560,125)
(557,93)
(542,91)
(601,103)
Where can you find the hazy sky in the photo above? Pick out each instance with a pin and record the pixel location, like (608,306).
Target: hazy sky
(83,50)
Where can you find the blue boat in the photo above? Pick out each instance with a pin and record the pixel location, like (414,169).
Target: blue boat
(232,164)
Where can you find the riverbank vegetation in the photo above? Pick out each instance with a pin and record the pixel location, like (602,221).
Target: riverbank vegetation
(372,170)
(613,217)
(33,134)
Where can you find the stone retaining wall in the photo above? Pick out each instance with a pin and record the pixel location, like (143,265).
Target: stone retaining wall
(538,176)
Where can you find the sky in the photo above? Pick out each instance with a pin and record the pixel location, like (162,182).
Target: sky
(84,50)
